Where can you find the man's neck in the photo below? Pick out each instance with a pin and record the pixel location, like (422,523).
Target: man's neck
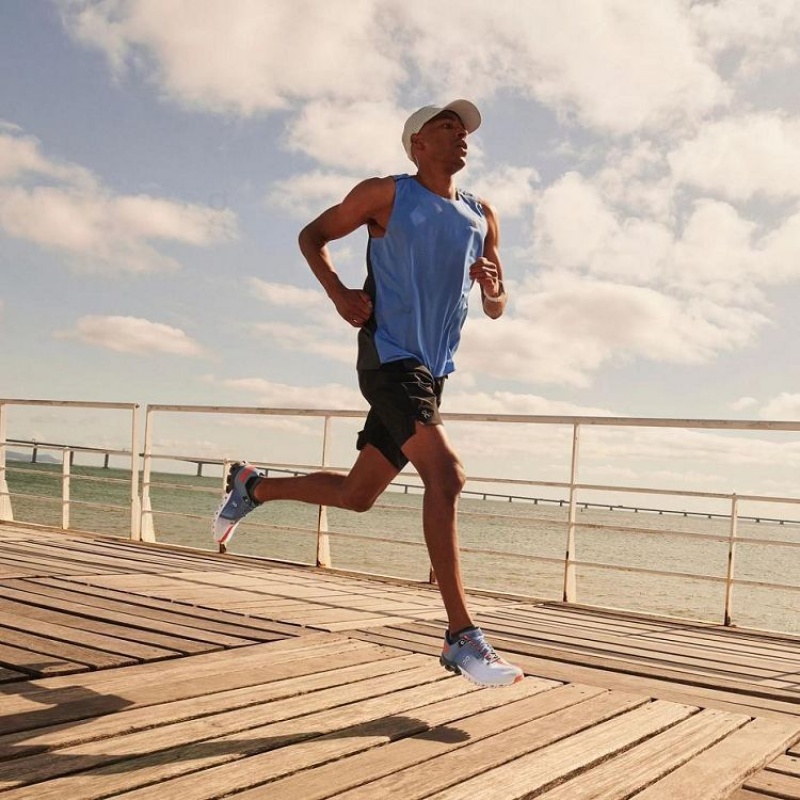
(439,183)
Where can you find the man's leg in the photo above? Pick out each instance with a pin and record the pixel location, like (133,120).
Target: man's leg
(357,491)
(465,650)
(442,474)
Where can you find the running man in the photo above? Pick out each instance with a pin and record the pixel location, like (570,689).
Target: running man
(428,243)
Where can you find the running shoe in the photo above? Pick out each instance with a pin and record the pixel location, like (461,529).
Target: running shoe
(237,502)
(473,657)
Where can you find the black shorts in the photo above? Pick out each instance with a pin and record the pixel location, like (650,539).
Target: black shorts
(400,394)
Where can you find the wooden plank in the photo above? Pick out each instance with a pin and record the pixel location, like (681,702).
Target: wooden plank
(63,650)
(118,612)
(133,719)
(38,565)
(122,630)
(136,554)
(723,768)
(548,766)
(442,720)
(151,756)
(719,635)
(77,561)
(687,656)
(8,675)
(420,637)
(24,618)
(475,764)
(723,645)
(787,763)
(36,664)
(210,619)
(744,651)
(775,784)
(386,772)
(621,776)
(59,700)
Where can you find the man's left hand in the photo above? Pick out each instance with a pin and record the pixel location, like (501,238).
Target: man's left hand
(485,273)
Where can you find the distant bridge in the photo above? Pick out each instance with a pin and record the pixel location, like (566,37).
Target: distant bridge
(408,488)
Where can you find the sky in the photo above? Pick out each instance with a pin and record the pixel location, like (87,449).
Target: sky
(159,157)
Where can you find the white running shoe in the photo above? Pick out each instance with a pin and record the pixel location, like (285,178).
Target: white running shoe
(236,503)
(473,657)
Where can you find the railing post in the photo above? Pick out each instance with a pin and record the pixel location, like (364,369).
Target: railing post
(570,584)
(6,513)
(729,579)
(66,463)
(323,540)
(136,505)
(146,530)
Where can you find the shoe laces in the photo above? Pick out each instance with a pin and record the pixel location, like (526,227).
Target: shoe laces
(476,641)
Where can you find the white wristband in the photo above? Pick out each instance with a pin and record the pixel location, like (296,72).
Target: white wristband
(498,299)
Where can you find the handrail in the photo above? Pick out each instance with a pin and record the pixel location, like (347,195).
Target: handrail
(570,494)
(6,511)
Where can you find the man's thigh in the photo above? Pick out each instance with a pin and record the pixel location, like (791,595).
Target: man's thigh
(401,397)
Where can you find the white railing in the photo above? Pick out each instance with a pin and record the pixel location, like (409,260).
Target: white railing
(570,493)
(67,454)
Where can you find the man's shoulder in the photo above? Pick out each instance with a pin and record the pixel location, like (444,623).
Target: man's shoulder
(377,187)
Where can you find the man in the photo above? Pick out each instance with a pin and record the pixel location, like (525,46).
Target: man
(428,243)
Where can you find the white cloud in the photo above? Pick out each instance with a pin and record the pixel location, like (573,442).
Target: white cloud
(21,156)
(361,137)
(334,343)
(602,62)
(285,295)
(509,189)
(715,247)
(765,32)
(248,56)
(63,207)
(781,249)
(307,195)
(132,335)
(565,327)
(577,229)
(279,395)
(743,403)
(785,406)
(739,158)
(504,402)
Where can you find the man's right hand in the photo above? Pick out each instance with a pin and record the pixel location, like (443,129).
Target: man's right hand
(353,305)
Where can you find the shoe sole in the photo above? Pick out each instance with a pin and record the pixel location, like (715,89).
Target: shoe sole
(458,671)
(227,534)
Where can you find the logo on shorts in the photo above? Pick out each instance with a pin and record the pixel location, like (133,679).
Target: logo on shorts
(426,414)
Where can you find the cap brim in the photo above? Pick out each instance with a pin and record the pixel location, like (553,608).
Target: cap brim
(467,112)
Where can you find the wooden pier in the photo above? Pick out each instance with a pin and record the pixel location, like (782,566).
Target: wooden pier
(141,671)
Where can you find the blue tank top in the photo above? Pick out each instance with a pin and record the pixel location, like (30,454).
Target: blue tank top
(418,278)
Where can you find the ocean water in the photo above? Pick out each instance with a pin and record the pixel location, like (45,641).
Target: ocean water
(516,547)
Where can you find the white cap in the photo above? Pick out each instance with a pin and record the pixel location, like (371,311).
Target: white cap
(467,112)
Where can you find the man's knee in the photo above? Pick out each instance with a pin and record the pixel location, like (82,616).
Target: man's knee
(357,501)
(448,481)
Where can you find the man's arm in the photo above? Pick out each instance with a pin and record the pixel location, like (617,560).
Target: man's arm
(369,203)
(488,271)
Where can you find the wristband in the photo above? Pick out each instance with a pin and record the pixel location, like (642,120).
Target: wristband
(498,299)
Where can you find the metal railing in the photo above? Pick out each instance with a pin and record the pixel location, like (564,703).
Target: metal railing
(67,455)
(570,494)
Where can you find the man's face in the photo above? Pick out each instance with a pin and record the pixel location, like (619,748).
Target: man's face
(443,139)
